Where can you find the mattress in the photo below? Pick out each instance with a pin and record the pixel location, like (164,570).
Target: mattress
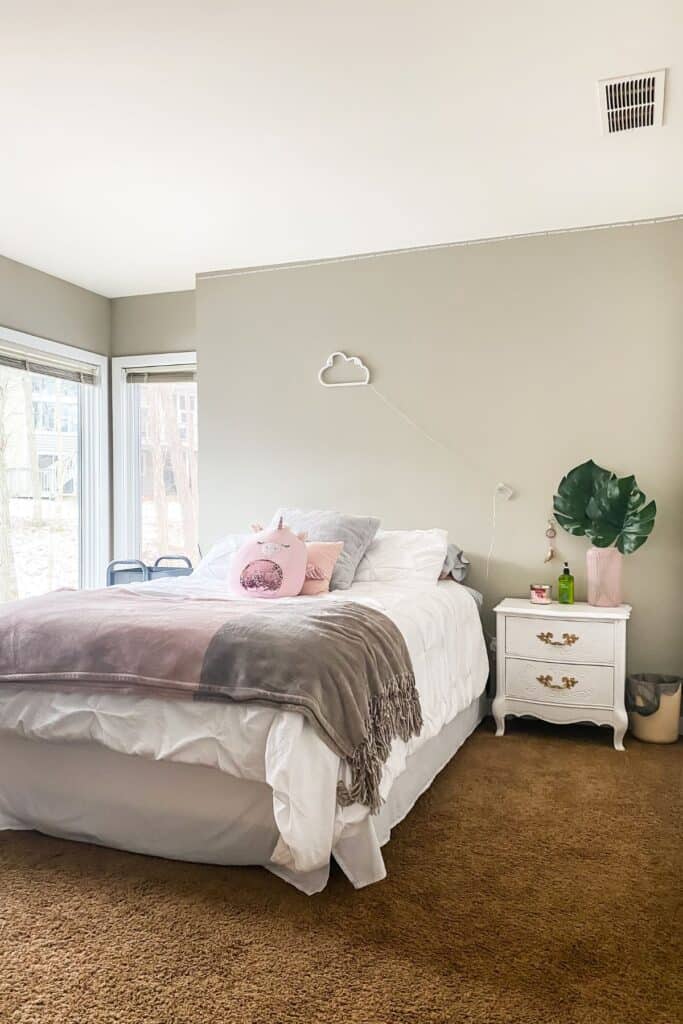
(276,750)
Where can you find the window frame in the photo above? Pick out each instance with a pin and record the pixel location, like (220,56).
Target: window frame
(93,456)
(126,432)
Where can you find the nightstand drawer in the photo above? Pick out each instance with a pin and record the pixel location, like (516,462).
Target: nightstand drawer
(563,640)
(553,683)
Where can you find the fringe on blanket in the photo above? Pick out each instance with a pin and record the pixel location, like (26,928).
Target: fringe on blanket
(394,714)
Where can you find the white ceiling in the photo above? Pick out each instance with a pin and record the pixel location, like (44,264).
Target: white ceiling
(146,141)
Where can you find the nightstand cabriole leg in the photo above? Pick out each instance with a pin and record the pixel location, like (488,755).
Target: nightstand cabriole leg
(620,716)
(499,717)
(498,707)
(620,727)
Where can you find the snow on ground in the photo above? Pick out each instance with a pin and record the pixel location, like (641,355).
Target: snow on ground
(46,555)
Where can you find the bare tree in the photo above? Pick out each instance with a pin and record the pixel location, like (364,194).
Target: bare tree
(180,455)
(8,576)
(158,455)
(59,461)
(193,472)
(36,488)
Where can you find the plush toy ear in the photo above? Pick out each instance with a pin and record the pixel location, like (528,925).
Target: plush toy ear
(256,527)
(303,535)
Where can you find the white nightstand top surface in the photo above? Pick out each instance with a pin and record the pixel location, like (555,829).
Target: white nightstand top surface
(555,610)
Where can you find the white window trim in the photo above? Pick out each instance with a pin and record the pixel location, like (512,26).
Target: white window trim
(93,489)
(126,426)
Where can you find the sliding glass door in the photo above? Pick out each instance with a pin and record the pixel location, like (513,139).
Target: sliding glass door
(155,456)
(53,479)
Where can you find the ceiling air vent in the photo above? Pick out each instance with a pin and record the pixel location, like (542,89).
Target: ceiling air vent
(633,101)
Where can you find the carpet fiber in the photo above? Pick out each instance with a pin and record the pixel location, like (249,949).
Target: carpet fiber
(535,883)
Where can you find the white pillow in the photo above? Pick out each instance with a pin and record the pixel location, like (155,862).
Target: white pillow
(405,555)
(216,564)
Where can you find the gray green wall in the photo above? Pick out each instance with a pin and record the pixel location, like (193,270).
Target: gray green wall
(48,307)
(150,324)
(525,357)
(136,325)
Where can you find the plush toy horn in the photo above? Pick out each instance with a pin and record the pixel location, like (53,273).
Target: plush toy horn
(279,525)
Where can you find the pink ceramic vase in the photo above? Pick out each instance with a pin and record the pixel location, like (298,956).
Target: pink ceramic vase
(603,569)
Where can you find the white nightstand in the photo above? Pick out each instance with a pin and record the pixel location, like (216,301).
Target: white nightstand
(561,663)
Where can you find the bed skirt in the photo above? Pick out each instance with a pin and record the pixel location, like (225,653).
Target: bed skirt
(88,793)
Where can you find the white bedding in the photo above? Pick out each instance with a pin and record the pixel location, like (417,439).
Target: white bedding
(442,629)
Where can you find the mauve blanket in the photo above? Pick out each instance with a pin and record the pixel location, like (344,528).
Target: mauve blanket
(342,665)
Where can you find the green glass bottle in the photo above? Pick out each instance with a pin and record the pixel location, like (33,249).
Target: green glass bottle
(565,586)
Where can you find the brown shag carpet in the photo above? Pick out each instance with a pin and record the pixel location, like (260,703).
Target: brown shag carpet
(535,882)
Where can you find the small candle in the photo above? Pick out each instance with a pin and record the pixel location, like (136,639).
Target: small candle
(540,593)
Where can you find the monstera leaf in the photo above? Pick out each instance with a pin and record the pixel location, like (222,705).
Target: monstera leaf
(592,501)
(570,504)
(638,523)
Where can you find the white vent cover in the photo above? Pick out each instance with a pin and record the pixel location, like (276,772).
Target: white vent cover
(633,101)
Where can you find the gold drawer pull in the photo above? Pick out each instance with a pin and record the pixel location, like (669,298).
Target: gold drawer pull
(567,682)
(567,639)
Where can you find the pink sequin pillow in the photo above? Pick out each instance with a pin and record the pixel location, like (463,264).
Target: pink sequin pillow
(322,558)
(272,563)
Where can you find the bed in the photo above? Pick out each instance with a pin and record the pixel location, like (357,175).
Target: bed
(239,784)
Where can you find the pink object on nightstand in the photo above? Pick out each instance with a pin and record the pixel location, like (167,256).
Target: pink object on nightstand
(603,568)
(541,593)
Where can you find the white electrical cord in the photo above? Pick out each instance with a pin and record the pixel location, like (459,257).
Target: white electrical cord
(408,419)
(501,490)
(505,492)
(493,532)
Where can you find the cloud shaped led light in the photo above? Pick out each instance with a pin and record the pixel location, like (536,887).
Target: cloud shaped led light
(352,370)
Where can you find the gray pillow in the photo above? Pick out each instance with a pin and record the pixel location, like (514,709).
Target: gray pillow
(357,533)
(457,564)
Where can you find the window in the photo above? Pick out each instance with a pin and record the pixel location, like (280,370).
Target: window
(155,456)
(54,504)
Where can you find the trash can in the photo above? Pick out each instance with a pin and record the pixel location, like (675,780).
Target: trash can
(654,706)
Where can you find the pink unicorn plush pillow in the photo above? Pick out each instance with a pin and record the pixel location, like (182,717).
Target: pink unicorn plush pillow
(272,563)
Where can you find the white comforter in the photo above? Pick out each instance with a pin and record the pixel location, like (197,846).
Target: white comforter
(442,629)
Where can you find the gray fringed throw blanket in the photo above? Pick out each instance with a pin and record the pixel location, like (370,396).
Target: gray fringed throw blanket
(344,666)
